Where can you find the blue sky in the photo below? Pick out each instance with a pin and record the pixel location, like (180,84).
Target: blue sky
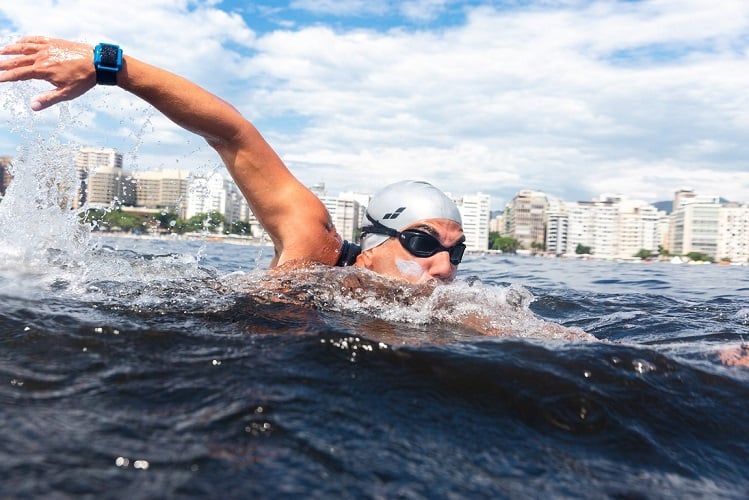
(573,98)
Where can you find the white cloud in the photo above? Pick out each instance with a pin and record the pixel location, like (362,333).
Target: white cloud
(572,98)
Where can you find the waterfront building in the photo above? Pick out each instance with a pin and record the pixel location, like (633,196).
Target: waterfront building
(474,210)
(363,200)
(102,181)
(613,227)
(497,224)
(638,228)
(733,233)
(557,227)
(694,228)
(214,193)
(346,215)
(162,190)
(525,218)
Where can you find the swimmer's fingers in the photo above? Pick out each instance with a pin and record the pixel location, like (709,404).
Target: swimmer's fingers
(52,97)
(68,66)
(735,356)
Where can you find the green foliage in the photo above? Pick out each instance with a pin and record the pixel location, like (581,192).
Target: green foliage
(503,243)
(644,253)
(108,220)
(699,256)
(538,246)
(582,249)
(239,227)
(168,222)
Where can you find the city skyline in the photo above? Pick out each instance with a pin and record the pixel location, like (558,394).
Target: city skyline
(574,98)
(608,226)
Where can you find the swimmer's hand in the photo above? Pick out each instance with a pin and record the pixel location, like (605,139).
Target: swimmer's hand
(735,356)
(68,66)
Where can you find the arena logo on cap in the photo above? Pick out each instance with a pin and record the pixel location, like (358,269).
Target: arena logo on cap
(394,215)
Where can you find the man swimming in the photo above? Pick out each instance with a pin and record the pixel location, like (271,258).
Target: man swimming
(413,231)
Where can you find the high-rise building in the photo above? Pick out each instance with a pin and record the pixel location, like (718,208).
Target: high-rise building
(162,189)
(613,227)
(474,210)
(733,233)
(557,226)
(638,228)
(525,218)
(694,228)
(102,179)
(212,193)
(346,214)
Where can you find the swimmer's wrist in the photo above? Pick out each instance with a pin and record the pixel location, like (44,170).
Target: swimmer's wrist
(108,63)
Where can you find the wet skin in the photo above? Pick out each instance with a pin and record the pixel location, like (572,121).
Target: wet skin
(391,259)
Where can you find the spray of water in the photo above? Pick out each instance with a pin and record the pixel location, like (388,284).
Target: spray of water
(36,217)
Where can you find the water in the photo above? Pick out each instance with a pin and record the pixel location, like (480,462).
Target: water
(144,372)
(166,368)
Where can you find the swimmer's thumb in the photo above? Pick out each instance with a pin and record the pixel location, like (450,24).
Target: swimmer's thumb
(43,101)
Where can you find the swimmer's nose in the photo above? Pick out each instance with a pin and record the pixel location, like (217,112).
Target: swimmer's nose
(440,267)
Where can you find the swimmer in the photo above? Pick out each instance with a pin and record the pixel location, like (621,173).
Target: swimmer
(413,231)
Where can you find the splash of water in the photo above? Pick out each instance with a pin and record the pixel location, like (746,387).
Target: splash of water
(36,217)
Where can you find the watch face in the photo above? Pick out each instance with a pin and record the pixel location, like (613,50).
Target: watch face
(108,57)
(107,61)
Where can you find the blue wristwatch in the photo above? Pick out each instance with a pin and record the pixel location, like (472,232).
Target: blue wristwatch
(108,62)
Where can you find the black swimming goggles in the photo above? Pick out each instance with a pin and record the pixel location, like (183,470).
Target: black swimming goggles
(417,243)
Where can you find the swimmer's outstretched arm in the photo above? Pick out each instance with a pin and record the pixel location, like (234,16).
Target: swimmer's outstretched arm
(296,220)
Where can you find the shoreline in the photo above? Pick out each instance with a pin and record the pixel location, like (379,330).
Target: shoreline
(256,242)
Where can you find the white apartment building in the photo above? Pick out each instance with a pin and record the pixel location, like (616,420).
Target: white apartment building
(346,215)
(217,193)
(639,228)
(162,189)
(475,210)
(733,233)
(102,179)
(694,228)
(557,227)
(613,227)
(525,218)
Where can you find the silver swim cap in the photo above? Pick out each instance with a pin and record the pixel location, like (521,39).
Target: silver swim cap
(401,204)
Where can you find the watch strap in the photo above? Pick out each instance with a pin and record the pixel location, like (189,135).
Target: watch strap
(108,62)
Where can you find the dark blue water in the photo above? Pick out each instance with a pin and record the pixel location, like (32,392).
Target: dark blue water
(157,369)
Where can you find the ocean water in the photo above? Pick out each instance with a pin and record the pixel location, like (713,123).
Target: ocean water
(163,368)
(152,369)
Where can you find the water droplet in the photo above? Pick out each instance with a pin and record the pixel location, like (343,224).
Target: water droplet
(641,366)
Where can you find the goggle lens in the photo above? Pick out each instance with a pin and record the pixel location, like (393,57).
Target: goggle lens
(421,244)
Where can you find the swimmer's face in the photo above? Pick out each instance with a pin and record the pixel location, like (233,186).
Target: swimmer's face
(391,259)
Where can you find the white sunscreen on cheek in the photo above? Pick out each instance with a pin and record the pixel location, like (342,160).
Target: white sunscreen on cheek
(410,269)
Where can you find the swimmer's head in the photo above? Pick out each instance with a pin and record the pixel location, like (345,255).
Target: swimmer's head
(400,205)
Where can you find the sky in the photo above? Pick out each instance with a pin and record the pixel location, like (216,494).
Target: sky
(575,98)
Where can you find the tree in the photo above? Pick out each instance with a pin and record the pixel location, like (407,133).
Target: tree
(643,254)
(126,222)
(582,249)
(538,247)
(503,243)
(240,227)
(699,256)
(210,221)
